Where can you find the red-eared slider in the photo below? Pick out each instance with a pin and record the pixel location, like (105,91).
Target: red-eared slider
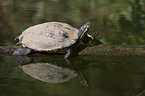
(50,36)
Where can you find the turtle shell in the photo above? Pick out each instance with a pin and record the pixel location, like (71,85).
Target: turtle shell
(49,36)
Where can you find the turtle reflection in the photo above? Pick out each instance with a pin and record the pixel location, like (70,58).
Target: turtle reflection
(50,72)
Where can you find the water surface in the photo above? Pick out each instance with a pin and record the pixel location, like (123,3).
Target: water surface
(99,76)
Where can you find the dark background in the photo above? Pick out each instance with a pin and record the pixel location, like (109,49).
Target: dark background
(119,22)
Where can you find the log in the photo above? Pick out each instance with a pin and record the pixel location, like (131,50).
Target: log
(115,50)
(7,50)
(103,50)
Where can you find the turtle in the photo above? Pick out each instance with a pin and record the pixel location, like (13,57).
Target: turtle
(51,36)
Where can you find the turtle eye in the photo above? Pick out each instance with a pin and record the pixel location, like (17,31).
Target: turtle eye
(85,27)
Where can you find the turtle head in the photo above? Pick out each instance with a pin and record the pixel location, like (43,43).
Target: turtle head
(83,29)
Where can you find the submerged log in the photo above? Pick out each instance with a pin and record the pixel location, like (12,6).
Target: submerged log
(103,50)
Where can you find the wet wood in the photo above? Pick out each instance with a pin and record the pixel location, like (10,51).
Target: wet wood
(115,50)
(7,50)
(103,50)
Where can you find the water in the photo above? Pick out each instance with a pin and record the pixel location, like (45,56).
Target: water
(94,76)
(119,22)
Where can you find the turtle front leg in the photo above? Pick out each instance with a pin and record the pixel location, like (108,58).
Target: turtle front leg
(90,39)
(69,51)
(22,51)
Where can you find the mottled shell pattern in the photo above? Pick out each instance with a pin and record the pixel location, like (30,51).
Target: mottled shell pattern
(49,36)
